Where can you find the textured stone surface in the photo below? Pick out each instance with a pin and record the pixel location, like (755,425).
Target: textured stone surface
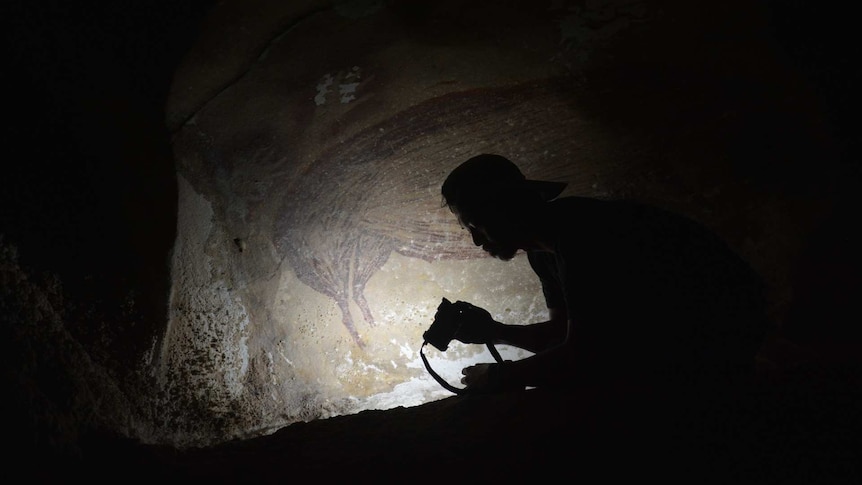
(321,165)
(311,142)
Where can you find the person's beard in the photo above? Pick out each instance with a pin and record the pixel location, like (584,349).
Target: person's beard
(500,252)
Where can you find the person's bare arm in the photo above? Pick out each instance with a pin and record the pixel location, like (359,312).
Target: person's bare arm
(534,337)
(549,341)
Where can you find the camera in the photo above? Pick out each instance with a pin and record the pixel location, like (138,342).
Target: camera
(446,324)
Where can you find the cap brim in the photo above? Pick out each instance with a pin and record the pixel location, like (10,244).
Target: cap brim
(547,189)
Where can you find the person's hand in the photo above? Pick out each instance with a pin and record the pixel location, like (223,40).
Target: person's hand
(488,378)
(476,326)
(476,377)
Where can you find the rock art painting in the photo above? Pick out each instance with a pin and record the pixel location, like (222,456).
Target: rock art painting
(325,156)
(312,144)
(378,192)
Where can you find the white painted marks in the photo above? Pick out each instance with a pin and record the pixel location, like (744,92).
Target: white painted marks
(345,89)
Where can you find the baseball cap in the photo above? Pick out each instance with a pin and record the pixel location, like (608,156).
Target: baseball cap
(483,175)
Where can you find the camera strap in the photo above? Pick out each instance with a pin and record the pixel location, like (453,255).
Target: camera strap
(441,381)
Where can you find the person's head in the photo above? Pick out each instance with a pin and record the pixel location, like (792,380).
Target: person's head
(496,202)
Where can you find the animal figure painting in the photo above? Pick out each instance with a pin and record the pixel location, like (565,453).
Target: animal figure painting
(378,192)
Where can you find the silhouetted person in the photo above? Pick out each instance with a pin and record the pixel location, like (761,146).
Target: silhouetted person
(634,293)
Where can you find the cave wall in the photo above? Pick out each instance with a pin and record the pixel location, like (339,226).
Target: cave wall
(175,170)
(88,220)
(316,136)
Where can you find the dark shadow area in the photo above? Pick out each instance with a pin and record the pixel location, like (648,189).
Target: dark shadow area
(780,430)
(88,203)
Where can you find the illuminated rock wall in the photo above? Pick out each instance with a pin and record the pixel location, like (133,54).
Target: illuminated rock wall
(312,247)
(311,143)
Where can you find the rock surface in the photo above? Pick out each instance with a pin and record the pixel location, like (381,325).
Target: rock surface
(311,142)
(793,427)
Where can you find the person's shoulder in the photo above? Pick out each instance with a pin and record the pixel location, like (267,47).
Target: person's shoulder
(584,209)
(615,209)
(578,203)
